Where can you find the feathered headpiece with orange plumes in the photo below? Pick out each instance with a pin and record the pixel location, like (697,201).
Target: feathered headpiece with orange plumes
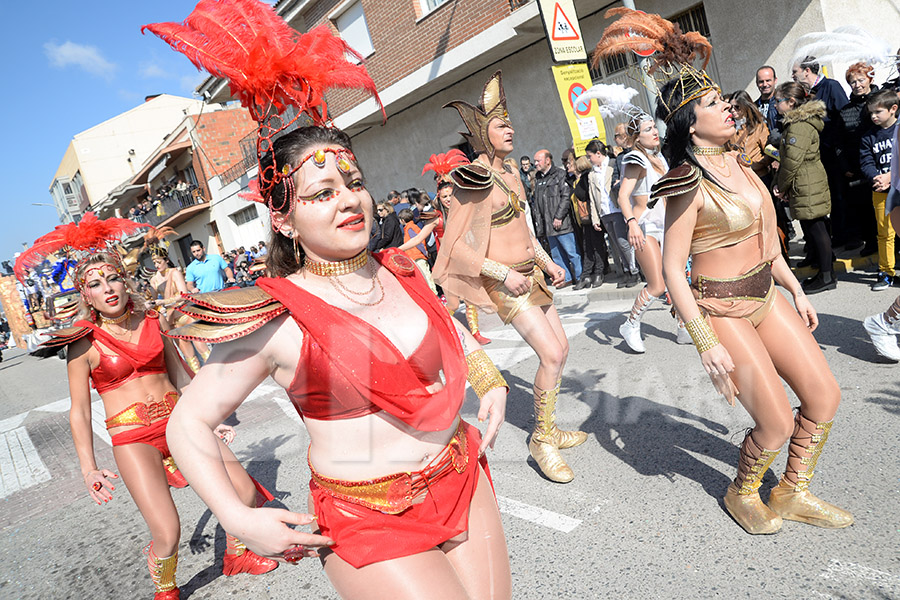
(442,164)
(79,241)
(155,244)
(269,66)
(673,56)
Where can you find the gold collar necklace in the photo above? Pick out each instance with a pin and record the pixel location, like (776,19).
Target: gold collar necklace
(708,150)
(338,268)
(116,320)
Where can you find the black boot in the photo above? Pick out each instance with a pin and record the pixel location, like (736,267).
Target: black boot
(597,281)
(822,282)
(584,283)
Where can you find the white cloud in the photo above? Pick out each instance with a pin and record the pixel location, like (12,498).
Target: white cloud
(86,57)
(151,70)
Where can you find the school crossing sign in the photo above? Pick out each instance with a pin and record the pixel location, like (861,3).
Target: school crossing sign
(563,32)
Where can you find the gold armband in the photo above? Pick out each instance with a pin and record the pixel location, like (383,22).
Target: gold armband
(494,270)
(703,335)
(483,375)
(541,258)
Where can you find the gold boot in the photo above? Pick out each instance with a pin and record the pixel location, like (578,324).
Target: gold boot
(566,439)
(472,321)
(742,498)
(792,499)
(543,444)
(162,572)
(194,363)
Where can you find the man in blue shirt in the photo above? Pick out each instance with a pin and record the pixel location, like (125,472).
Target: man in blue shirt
(208,272)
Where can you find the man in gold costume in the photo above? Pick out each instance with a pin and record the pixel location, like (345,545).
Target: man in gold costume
(490,259)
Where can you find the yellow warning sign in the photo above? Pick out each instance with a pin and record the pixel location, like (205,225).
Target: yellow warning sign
(584,118)
(563,32)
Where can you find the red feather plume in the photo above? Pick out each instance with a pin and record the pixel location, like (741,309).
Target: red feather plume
(266,62)
(89,235)
(442,164)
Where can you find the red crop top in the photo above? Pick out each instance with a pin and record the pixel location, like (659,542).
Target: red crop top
(132,360)
(349,369)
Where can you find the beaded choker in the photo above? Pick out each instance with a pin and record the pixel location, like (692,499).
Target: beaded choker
(116,320)
(335,269)
(708,150)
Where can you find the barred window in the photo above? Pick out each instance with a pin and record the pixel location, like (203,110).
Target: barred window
(693,19)
(245,215)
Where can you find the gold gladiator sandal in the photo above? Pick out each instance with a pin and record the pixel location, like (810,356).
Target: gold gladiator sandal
(566,439)
(472,322)
(792,499)
(543,443)
(194,363)
(162,572)
(742,498)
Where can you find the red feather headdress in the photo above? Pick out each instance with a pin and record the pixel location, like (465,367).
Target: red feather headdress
(78,241)
(269,66)
(442,164)
(674,52)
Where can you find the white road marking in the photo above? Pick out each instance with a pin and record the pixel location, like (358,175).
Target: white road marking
(12,422)
(19,462)
(98,421)
(537,515)
(838,570)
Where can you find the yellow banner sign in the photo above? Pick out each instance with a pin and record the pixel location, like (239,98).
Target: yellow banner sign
(584,119)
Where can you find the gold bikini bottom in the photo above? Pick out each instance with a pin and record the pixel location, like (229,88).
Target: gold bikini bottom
(749,296)
(509,307)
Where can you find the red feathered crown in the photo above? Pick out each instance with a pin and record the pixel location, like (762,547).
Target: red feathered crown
(674,53)
(442,164)
(269,66)
(78,241)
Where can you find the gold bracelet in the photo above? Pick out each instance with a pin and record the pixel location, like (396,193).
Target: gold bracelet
(494,270)
(541,258)
(483,374)
(703,335)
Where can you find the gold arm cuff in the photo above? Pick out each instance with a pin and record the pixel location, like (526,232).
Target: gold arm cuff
(494,270)
(483,375)
(703,335)
(541,258)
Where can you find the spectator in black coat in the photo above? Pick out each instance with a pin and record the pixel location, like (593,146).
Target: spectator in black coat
(386,229)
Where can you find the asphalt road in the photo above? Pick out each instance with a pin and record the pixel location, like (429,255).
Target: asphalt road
(642,519)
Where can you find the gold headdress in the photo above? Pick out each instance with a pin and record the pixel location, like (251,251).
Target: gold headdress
(155,244)
(477,118)
(673,58)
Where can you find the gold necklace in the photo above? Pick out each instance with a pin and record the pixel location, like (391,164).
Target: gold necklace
(120,335)
(708,150)
(337,285)
(724,170)
(116,320)
(336,268)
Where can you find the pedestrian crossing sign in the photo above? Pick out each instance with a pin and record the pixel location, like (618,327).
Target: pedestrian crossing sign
(562,26)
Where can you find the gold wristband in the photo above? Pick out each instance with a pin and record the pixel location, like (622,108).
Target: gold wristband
(703,335)
(494,270)
(541,258)
(483,375)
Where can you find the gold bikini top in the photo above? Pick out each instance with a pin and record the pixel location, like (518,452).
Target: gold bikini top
(723,220)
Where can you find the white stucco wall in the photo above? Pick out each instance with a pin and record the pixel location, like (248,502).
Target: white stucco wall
(226,202)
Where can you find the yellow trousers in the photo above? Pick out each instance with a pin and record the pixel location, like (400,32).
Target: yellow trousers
(885,235)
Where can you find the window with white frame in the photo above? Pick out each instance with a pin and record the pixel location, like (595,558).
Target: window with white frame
(245,215)
(430,5)
(350,21)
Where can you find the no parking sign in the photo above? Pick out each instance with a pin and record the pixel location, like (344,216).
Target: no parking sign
(584,118)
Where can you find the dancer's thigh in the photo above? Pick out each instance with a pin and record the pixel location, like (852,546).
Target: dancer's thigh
(482,560)
(141,468)
(760,390)
(799,360)
(650,259)
(542,331)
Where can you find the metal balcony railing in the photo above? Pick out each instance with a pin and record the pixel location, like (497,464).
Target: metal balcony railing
(170,205)
(238,169)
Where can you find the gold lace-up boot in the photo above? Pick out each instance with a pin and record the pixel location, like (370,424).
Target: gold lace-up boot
(565,439)
(544,442)
(742,498)
(793,500)
(162,572)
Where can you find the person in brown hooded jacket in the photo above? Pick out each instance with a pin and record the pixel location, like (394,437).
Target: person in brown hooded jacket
(802,179)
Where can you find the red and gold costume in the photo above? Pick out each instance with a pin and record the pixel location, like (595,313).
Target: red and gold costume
(358,373)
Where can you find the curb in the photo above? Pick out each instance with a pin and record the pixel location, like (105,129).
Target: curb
(842,265)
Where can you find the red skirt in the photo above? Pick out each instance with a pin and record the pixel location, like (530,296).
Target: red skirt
(364,535)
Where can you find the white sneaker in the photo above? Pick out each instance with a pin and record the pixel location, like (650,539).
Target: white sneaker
(682,336)
(631,332)
(884,337)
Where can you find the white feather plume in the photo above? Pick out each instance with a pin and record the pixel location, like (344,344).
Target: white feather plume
(612,99)
(846,44)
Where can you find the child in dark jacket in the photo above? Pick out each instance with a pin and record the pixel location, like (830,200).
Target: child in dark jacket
(875,163)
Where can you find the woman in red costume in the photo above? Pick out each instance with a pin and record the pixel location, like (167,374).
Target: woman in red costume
(748,335)
(117,347)
(371,360)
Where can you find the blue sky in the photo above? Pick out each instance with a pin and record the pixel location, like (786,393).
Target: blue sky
(68,66)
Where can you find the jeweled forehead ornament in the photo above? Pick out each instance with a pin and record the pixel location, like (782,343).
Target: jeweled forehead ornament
(344,161)
(477,118)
